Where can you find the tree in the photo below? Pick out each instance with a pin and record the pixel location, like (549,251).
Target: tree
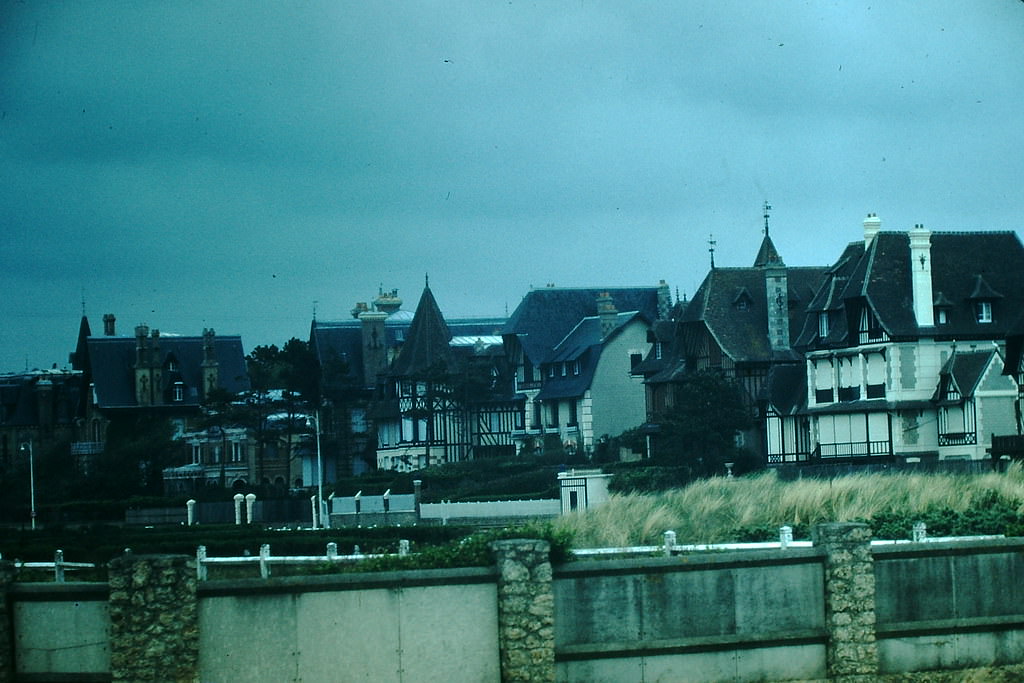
(699,432)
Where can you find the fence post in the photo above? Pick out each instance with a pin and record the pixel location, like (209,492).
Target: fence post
(785,536)
(851,653)
(154,619)
(250,501)
(58,566)
(238,498)
(7,572)
(265,561)
(526,610)
(201,563)
(670,543)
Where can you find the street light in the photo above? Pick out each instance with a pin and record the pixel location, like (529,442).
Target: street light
(27,446)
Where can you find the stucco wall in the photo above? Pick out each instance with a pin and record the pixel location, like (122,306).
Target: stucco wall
(618,399)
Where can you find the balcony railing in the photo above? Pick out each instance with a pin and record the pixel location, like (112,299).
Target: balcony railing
(958,439)
(854,449)
(86,447)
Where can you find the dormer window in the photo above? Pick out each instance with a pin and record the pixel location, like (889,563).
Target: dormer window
(941,316)
(983,311)
(823,324)
(869,329)
(179,391)
(657,350)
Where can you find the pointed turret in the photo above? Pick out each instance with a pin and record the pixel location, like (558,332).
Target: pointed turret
(426,347)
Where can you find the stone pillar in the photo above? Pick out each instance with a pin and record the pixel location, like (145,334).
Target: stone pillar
(526,610)
(154,619)
(852,653)
(6,624)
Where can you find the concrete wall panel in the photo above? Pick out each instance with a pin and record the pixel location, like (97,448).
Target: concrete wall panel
(62,637)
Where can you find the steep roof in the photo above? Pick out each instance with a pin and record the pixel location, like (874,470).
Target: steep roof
(545,316)
(965,369)
(767,254)
(966,267)
(112,360)
(732,303)
(426,347)
(785,388)
(583,345)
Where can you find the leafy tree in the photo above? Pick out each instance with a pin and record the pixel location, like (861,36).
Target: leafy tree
(699,432)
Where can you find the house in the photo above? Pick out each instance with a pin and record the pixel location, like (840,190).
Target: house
(355,356)
(444,398)
(572,350)
(740,322)
(904,347)
(41,408)
(165,376)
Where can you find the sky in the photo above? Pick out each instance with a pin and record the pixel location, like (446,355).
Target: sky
(243,165)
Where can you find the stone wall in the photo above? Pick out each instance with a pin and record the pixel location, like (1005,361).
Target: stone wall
(526,610)
(153,619)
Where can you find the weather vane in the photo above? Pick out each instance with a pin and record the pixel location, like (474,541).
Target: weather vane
(711,249)
(767,208)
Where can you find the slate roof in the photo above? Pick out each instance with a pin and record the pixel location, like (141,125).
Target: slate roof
(19,397)
(742,332)
(966,267)
(545,316)
(344,339)
(785,388)
(583,343)
(112,361)
(965,369)
(426,348)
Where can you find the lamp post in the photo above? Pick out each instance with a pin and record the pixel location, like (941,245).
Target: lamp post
(319,471)
(27,446)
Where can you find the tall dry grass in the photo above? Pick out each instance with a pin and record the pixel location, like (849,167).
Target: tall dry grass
(712,510)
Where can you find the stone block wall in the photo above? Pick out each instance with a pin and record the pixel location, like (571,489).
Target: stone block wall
(154,619)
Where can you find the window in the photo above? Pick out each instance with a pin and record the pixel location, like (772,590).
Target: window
(573,418)
(942,316)
(551,371)
(179,391)
(237,451)
(565,369)
(983,311)
(553,414)
(657,350)
(634,359)
(575,367)
(197,454)
(823,324)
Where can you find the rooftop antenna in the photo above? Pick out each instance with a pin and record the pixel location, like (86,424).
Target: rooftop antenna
(426,280)
(315,302)
(83,302)
(711,249)
(767,208)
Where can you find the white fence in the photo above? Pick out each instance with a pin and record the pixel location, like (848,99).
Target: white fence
(500,508)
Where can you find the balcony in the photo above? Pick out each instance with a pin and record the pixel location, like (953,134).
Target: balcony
(86,447)
(854,449)
(958,439)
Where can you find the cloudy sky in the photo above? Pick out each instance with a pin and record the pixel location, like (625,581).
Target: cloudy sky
(227,164)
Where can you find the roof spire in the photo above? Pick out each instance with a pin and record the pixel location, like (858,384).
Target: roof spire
(711,249)
(426,280)
(767,208)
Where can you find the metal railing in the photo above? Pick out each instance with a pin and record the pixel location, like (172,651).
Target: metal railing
(265,560)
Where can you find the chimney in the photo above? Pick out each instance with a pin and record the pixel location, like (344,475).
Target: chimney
(375,348)
(664,300)
(872,224)
(44,398)
(210,366)
(388,302)
(921,275)
(776,286)
(607,313)
(108,324)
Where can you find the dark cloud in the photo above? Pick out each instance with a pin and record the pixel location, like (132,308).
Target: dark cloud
(227,164)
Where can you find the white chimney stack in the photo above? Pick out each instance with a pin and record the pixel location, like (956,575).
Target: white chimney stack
(921,275)
(872,224)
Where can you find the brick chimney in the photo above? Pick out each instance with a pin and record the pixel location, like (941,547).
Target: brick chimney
(108,324)
(664,300)
(607,313)
(210,365)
